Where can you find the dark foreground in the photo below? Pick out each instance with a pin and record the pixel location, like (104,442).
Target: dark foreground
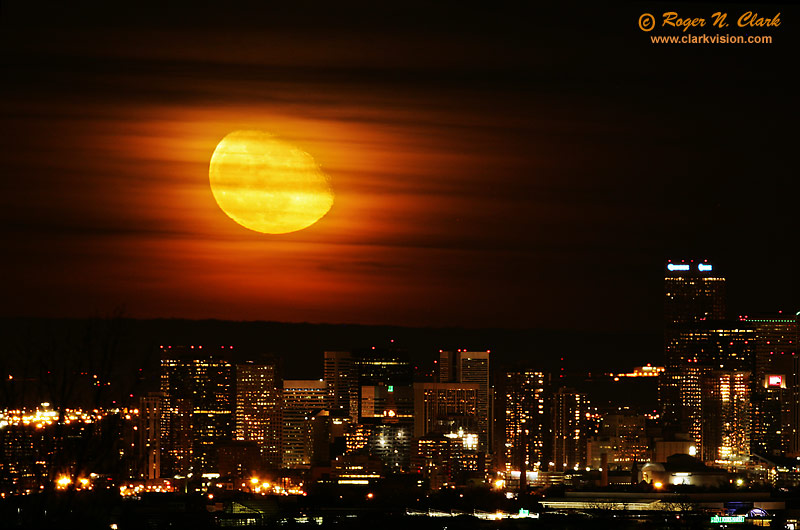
(107,510)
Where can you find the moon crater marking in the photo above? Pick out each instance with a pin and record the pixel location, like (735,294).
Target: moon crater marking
(268,185)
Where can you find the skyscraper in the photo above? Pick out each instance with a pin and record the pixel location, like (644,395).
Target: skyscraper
(301,398)
(773,383)
(693,294)
(697,350)
(726,414)
(693,291)
(373,368)
(197,410)
(149,434)
(340,379)
(464,366)
(569,429)
(258,410)
(526,415)
(445,407)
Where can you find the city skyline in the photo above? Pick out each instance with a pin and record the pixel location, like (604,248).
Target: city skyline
(229,433)
(489,170)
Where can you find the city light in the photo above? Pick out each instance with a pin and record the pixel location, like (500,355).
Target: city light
(677,267)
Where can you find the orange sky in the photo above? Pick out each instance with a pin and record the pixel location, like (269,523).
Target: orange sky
(488,170)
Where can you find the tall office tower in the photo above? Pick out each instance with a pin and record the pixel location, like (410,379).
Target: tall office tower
(772,398)
(726,415)
(258,409)
(526,419)
(377,368)
(149,433)
(698,349)
(340,379)
(301,398)
(387,414)
(463,366)
(570,409)
(694,301)
(693,292)
(197,410)
(445,407)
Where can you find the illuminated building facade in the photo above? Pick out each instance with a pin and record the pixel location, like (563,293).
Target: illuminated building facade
(472,367)
(149,434)
(726,414)
(375,368)
(301,398)
(445,407)
(197,410)
(340,379)
(26,456)
(445,460)
(693,293)
(570,429)
(623,437)
(526,419)
(391,443)
(701,346)
(387,412)
(698,350)
(390,402)
(773,399)
(356,437)
(381,404)
(258,409)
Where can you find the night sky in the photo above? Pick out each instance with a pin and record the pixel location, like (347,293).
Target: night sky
(493,167)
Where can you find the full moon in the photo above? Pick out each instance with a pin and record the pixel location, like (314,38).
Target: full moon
(268,185)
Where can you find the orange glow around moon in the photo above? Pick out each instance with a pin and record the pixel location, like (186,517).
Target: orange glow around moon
(268,185)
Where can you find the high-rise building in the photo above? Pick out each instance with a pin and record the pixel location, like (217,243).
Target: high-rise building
(693,292)
(149,434)
(301,398)
(773,389)
(258,409)
(570,432)
(375,387)
(726,414)
(526,415)
(197,409)
(387,414)
(445,407)
(462,366)
(340,379)
(373,368)
(696,350)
